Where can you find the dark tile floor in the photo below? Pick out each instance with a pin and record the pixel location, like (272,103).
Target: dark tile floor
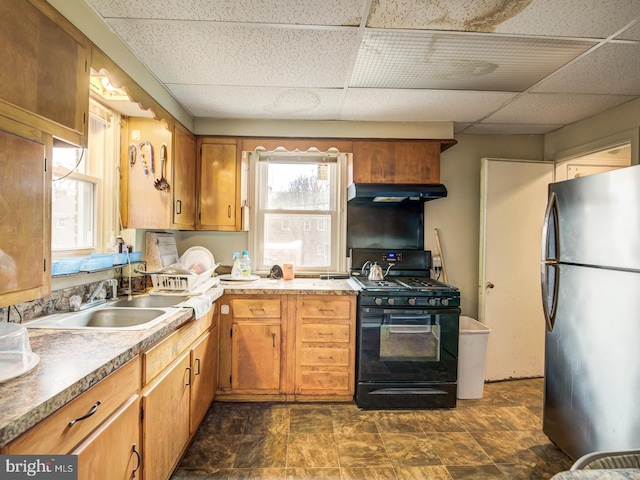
(496,437)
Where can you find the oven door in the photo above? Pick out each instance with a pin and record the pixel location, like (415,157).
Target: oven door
(408,345)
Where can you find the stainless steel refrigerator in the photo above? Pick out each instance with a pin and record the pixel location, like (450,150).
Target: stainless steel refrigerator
(591,297)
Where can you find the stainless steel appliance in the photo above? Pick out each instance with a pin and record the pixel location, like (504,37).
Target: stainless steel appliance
(407,346)
(591,299)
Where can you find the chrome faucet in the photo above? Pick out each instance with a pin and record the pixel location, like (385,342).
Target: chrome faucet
(91,300)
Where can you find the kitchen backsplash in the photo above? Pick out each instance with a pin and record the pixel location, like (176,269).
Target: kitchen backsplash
(58,301)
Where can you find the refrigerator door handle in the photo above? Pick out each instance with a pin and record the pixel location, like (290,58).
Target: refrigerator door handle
(549,262)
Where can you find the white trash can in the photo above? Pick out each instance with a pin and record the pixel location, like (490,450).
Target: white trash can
(472,356)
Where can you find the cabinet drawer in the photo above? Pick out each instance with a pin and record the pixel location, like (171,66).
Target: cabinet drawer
(311,356)
(330,381)
(317,308)
(55,435)
(258,308)
(325,332)
(158,357)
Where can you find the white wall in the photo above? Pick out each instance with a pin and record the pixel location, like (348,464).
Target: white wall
(457,217)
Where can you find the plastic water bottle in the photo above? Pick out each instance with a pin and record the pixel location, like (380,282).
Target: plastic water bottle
(236,270)
(245,265)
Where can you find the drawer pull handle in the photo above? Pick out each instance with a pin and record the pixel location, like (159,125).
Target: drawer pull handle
(93,410)
(197,366)
(325,358)
(133,474)
(273,339)
(188,369)
(323,334)
(256,311)
(326,310)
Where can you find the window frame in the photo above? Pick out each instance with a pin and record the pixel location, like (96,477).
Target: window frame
(338,261)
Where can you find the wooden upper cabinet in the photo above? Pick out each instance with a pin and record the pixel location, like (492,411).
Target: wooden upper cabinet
(220,185)
(142,205)
(25,214)
(184,179)
(44,80)
(396,161)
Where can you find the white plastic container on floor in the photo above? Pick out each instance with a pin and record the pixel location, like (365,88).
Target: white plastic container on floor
(472,356)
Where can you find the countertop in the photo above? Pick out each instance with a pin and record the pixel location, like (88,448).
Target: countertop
(72,361)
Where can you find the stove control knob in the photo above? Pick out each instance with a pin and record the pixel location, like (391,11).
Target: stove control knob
(391,301)
(444,302)
(411,301)
(432,301)
(377,301)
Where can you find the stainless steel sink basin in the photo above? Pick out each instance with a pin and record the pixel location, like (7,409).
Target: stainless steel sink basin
(107,318)
(149,301)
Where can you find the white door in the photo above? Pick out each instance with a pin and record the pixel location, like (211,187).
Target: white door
(513,201)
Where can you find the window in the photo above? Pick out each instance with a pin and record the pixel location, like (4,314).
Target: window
(80,214)
(292,193)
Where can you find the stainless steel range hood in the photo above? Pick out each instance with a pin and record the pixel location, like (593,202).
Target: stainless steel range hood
(394,192)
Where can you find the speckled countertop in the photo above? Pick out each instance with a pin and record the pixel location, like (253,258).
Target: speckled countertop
(71,361)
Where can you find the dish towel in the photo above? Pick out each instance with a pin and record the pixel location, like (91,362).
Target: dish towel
(200,304)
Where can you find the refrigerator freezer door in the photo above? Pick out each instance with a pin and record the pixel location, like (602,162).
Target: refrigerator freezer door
(599,219)
(591,369)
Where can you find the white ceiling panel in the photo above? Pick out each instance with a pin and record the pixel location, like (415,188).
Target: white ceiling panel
(611,69)
(564,108)
(259,102)
(489,66)
(204,53)
(303,12)
(363,104)
(402,59)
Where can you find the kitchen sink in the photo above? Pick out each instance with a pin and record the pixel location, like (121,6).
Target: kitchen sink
(107,318)
(149,301)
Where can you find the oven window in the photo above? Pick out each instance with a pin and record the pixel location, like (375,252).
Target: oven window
(404,339)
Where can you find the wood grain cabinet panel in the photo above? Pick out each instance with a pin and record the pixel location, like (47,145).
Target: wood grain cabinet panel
(44,78)
(25,215)
(113,452)
(183,186)
(396,161)
(325,345)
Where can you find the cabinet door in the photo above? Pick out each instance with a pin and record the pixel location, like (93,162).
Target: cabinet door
(44,70)
(400,161)
(184,179)
(204,367)
(25,216)
(142,204)
(255,356)
(219,187)
(166,419)
(113,451)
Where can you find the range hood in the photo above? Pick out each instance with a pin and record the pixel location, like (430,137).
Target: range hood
(394,192)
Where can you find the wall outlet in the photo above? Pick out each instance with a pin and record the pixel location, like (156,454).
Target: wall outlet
(437,262)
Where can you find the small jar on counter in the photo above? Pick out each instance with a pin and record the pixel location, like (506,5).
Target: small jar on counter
(287,271)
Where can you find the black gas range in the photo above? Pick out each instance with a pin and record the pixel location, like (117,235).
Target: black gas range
(407,332)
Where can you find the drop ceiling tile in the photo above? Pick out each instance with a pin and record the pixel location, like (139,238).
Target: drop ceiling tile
(208,54)
(403,59)
(611,69)
(570,18)
(364,104)
(302,12)
(554,108)
(259,102)
(509,129)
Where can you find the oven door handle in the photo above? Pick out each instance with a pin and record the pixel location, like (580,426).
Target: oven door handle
(409,329)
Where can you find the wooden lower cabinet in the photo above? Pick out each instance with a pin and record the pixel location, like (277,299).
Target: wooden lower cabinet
(287,347)
(204,376)
(166,419)
(325,345)
(113,451)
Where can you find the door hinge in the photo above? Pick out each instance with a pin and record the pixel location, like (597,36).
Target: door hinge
(141,414)
(231,332)
(230,382)
(44,264)
(45,164)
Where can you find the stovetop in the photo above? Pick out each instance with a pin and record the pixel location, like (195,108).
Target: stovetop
(398,284)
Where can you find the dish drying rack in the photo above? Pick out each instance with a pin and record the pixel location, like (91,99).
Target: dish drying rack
(177,283)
